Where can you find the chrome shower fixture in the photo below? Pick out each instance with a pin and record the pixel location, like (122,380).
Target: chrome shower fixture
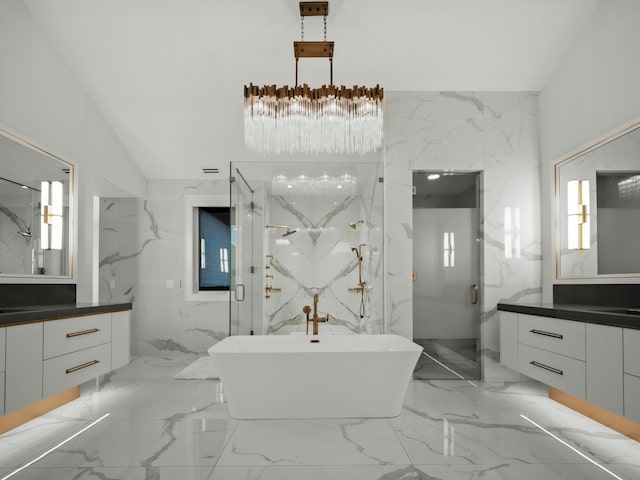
(288,230)
(354,225)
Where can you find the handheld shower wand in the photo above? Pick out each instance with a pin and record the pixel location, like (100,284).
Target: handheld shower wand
(361,283)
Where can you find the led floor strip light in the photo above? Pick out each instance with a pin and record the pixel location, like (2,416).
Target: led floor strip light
(447,368)
(40,457)
(572,448)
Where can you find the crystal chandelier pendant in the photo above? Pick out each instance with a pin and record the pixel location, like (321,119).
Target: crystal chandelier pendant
(300,119)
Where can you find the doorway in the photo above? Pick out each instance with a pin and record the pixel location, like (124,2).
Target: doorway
(446,265)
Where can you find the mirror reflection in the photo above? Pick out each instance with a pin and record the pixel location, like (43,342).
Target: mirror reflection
(598,209)
(35,210)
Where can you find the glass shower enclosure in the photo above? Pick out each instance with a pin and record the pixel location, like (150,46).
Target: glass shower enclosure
(306,229)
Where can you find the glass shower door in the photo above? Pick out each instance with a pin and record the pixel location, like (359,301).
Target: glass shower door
(446,261)
(243,291)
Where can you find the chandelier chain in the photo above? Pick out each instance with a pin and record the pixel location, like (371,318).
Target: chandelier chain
(325,27)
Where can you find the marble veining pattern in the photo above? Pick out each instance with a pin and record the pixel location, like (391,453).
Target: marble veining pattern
(162,428)
(496,134)
(319,257)
(142,261)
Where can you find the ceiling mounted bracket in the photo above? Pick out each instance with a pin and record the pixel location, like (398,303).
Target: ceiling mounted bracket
(314,9)
(322,49)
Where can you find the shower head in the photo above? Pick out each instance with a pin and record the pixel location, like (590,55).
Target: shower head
(354,225)
(288,230)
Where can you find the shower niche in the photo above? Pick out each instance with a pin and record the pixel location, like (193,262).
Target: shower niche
(302,229)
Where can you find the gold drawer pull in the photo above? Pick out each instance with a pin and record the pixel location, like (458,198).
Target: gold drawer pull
(82,332)
(80,367)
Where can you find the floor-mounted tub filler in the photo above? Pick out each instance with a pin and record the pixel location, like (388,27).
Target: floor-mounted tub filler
(341,376)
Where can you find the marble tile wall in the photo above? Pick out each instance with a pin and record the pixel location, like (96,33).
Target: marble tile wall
(319,258)
(492,133)
(142,260)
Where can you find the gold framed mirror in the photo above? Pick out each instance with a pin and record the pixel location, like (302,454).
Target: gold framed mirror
(597,214)
(36,211)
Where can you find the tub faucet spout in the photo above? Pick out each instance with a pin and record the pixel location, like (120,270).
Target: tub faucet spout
(315,319)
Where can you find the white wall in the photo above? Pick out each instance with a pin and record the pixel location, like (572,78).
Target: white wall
(41,101)
(593,90)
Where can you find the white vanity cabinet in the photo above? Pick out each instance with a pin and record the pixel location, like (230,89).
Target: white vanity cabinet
(631,342)
(47,357)
(72,334)
(552,351)
(604,367)
(75,350)
(120,339)
(3,343)
(509,340)
(597,363)
(23,375)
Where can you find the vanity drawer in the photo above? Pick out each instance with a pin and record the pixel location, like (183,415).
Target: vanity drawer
(631,348)
(564,373)
(565,337)
(72,334)
(66,371)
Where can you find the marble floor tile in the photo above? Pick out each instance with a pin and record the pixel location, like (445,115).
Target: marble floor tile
(113,473)
(314,442)
(506,471)
(175,441)
(159,428)
(350,472)
(446,360)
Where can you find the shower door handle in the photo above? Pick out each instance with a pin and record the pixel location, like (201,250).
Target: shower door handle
(474,289)
(238,292)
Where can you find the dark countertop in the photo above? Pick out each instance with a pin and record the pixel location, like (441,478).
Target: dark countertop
(38,313)
(612,316)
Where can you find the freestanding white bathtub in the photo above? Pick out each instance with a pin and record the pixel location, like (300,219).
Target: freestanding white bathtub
(342,376)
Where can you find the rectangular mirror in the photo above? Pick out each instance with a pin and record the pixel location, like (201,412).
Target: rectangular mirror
(598,208)
(36,210)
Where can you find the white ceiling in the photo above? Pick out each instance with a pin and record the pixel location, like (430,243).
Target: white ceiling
(168,75)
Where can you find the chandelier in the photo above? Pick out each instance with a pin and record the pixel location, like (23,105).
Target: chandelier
(301,119)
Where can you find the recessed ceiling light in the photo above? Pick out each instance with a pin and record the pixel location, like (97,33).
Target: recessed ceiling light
(433,176)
